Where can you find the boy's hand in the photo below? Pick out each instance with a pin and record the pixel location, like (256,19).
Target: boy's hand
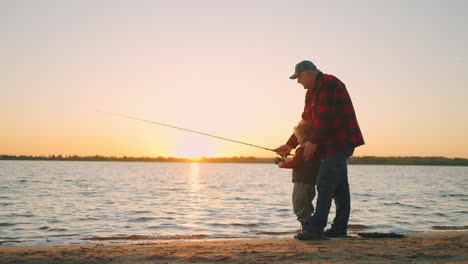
(280,164)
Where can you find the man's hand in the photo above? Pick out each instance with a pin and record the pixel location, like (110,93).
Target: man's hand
(309,150)
(283,150)
(280,164)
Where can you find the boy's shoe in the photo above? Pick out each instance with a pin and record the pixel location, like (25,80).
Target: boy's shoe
(332,233)
(309,235)
(304,227)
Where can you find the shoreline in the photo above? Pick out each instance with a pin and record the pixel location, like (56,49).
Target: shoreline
(431,247)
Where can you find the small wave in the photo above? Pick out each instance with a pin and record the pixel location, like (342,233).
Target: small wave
(13,241)
(461,212)
(7,224)
(142,212)
(64,235)
(449,227)
(358,227)
(455,195)
(364,194)
(163,226)
(218,224)
(5,204)
(402,222)
(86,193)
(402,230)
(165,218)
(23,215)
(440,214)
(10,238)
(141,219)
(405,205)
(242,199)
(146,237)
(58,229)
(88,219)
(275,233)
(426,222)
(245,225)
(43,227)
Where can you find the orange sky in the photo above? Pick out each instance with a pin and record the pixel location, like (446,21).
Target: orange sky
(223,68)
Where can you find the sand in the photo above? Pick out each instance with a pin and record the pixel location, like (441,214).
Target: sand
(435,247)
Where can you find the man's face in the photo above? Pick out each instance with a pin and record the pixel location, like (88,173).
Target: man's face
(306,78)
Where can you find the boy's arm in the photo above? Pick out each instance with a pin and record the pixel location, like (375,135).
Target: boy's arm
(298,159)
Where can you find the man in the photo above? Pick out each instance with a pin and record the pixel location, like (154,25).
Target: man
(336,132)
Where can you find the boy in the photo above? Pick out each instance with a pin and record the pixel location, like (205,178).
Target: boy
(304,176)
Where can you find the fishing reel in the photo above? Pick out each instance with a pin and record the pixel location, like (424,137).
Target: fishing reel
(278,160)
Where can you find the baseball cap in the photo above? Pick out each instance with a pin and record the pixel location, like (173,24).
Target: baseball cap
(303,66)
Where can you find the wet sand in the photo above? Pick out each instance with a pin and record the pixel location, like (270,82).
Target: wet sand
(435,247)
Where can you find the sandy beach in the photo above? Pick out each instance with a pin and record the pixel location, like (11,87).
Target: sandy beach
(435,247)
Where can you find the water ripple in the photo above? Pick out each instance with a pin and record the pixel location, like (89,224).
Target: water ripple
(142,219)
(404,205)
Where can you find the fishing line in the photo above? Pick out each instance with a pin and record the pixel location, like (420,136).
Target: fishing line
(188,130)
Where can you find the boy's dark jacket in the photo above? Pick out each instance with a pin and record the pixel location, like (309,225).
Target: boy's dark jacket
(303,171)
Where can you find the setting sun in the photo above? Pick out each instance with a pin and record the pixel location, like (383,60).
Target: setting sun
(195,146)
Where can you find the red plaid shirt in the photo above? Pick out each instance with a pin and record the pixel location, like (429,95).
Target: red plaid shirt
(332,113)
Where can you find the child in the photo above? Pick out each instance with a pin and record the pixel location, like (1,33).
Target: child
(304,176)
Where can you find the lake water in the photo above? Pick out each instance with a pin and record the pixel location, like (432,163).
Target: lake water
(57,202)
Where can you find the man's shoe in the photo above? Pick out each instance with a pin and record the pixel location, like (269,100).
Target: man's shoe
(304,227)
(332,233)
(309,235)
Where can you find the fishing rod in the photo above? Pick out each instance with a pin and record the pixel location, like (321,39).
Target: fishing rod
(188,130)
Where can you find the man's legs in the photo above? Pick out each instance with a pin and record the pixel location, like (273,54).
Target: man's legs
(343,207)
(327,183)
(332,180)
(342,203)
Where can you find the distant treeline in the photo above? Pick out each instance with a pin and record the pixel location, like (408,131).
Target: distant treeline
(442,161)
(94,158)
(365,160)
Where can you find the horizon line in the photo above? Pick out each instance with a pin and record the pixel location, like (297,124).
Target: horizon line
(199,158)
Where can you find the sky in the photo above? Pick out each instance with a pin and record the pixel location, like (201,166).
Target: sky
(223,67)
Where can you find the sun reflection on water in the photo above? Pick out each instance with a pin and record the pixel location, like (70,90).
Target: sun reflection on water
(194,180)
(194,192)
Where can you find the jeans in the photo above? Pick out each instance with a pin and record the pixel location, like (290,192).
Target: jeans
(332,184)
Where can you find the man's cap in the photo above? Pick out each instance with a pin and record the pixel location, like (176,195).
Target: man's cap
(302,67)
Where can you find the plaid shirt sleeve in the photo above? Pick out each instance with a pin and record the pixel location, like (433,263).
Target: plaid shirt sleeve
(292,141)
